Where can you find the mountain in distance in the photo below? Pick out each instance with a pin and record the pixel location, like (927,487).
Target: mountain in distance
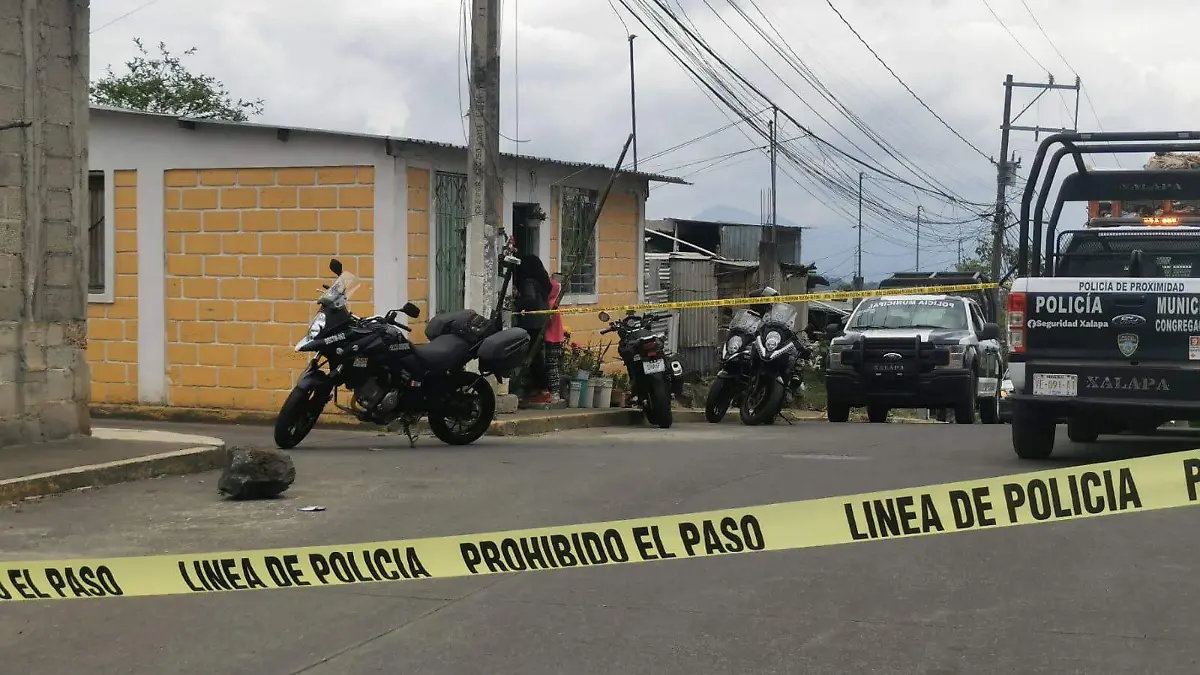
(732,214)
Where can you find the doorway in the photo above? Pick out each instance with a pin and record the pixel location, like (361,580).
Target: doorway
(527,220)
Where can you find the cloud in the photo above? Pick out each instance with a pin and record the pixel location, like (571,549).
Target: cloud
(396,67)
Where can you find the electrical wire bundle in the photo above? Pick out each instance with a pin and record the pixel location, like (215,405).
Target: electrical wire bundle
(819,167)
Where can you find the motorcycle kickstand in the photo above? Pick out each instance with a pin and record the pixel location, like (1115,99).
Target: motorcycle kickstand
(411,434)
(407,430)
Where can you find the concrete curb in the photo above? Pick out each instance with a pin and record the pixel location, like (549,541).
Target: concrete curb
(529,426)
(502,426)
(207,454)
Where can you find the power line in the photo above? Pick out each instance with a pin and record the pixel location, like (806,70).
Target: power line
(126,15)
(696,139)
(1087,99)
(1027,52)
(904,84)
(785,51)
(683,47)
(1014,36)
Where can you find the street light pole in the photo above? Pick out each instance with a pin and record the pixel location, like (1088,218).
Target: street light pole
(633,100)
(919,238)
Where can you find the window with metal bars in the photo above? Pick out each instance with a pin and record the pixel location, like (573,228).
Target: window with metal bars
(96,233)
(576,242)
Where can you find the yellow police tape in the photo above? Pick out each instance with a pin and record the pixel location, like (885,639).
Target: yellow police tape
(799,297)
(1126,486)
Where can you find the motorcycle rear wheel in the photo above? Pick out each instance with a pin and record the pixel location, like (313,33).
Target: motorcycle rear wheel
(762,402)
(470,391)
(658,403)
(297,417)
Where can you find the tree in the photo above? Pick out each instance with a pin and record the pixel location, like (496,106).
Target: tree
(163,84)
(982,259)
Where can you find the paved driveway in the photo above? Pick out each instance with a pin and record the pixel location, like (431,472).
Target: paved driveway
(1113,595)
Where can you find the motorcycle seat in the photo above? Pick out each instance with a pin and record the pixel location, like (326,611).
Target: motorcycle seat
(444,352)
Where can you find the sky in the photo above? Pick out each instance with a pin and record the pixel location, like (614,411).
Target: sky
(397,67)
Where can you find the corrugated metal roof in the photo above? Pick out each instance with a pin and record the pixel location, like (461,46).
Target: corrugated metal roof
(653,177)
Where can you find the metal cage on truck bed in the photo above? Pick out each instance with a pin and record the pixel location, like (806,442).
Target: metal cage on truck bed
(919,279)
(1036,253)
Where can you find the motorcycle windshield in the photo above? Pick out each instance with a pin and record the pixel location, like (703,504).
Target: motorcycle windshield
(781,314)
(745,321)
(339,293)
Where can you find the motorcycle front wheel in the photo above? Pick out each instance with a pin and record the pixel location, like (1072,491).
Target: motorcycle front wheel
(719,398)
(762,402)
(297,417)
(467,412)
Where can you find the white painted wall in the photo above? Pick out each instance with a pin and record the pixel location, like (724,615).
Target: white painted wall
(152,144)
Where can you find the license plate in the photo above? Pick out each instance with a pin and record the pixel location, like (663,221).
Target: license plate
(655,366)
(1055,384)
(360,362)
(888,367)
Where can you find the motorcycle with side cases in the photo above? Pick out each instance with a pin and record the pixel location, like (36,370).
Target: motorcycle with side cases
(393,379)
(654,374)
(737,360)
(775,368)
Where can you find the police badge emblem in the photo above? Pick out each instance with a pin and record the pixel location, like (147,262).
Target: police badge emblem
(1127,343)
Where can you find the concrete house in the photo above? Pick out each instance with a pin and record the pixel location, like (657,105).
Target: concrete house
(210,240)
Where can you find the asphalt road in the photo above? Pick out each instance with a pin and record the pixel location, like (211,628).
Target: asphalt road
(1113,595)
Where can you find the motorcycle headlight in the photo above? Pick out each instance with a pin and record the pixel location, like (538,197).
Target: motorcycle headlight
(317,325)
(772,340)
(734,345)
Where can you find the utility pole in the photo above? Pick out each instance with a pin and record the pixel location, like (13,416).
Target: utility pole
(768,247)
(858,275)
(483,165)
(1002,180)
(774,165)
(633,100)
(1006,168)
(919,238)
(960,241)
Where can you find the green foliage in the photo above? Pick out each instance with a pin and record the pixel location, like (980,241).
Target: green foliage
(162,84)
(981,260)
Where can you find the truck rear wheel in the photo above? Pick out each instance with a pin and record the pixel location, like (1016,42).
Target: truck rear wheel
(1032,433)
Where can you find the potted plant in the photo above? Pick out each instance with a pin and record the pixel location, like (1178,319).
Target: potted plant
(620,387)
(589,361)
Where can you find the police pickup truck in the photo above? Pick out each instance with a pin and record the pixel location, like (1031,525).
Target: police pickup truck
(1104,324)
(915,351)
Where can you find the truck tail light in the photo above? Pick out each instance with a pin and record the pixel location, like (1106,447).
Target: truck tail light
(1016,322)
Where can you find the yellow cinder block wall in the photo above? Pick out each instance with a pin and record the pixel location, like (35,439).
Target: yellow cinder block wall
(418,247)
(617,276)
(247,252)
(112,328)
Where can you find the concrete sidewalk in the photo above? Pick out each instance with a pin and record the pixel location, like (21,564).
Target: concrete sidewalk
(106,457)
(520,423)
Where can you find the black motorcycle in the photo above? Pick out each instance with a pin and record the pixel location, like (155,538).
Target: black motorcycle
(654,374)
(394,380)
(737,359)
(774,373)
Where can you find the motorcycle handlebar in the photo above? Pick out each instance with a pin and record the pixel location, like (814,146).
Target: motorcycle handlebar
(607,330)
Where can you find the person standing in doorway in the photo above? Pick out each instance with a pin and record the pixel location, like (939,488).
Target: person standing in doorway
(553,348)
(533,288)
